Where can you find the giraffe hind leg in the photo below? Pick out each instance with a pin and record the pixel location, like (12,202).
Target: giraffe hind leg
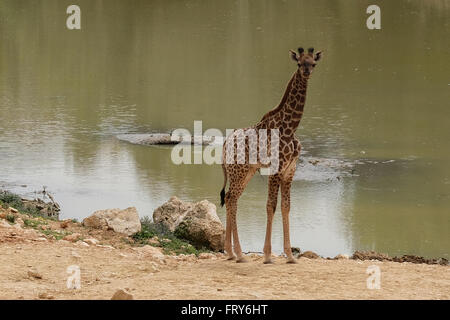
(238,182)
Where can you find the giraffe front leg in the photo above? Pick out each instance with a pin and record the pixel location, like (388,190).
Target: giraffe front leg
(285,208)
(237,245)
(228,236)
(234,231)
(274,184)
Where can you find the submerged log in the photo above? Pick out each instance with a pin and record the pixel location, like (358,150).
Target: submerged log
(149,139)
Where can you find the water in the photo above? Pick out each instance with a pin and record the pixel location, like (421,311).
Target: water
(376,115)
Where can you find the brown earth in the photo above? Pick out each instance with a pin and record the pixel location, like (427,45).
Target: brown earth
(34,266)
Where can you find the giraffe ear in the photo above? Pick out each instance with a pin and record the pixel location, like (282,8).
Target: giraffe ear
(318,55)
(294,55)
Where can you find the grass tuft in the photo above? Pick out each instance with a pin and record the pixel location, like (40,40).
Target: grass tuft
(11,218)
(9,199)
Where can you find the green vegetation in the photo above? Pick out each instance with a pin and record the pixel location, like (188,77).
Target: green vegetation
(35,220)
(11,218)
(8,199)
(33,223)
(166,239)
(58,235)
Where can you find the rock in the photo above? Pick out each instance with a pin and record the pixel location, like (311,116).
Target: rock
(342,257)
(3,214)
(154,240)
(121,221)
(309,255)
(81,243)
(151,251)
(72,237)
(13,210)
(91,241)
(44,295)
(206,255)
(295,250)
(197,222)
(370,255)
(122,294)
(64,224)
(32,273)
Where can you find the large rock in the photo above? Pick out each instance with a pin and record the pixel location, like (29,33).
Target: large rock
(197,222)
(122,221)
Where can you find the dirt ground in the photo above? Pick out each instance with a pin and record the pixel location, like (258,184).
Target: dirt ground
(35,267)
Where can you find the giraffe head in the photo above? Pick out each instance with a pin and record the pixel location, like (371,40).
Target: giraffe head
(306,61)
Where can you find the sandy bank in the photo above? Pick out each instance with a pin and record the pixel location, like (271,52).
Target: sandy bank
(34,267)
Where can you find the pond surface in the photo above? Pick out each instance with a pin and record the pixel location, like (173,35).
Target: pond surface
(377,112)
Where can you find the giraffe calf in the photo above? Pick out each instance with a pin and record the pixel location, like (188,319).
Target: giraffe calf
(244,154)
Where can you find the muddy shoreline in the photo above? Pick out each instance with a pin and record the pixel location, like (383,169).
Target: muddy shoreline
(50,210)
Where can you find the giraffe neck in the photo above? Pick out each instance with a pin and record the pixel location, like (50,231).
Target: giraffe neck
(290,110)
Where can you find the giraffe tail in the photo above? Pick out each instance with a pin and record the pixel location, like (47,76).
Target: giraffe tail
(222,193)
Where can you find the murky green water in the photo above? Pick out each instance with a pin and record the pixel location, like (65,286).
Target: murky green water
(377,110)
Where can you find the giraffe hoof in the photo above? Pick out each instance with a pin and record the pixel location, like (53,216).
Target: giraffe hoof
(231,258)
(269,261)
(291,261)
(241,260)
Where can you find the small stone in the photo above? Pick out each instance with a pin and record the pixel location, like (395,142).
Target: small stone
(309,255)
(155,267)
(154,240)
(75,254)
(105,246)
(72,237)
(121,294)
(13,210)
(64,224)
(41,239)
(91,241)
(82,243)
(342,257)
(44,295)
(205,255)
(34,274)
